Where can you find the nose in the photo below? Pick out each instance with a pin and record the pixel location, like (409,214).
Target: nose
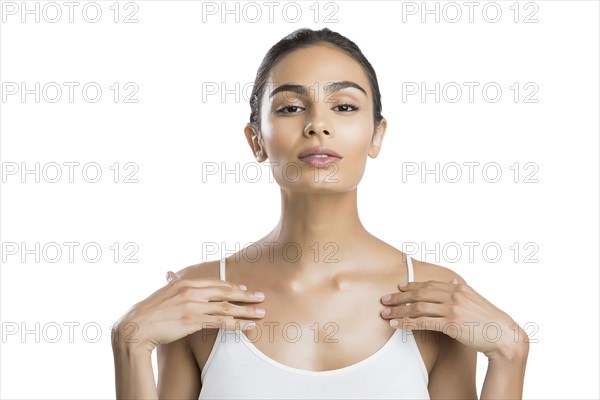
(317,125)
(312,132)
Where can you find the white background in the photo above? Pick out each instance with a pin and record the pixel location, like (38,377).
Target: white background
(175,128)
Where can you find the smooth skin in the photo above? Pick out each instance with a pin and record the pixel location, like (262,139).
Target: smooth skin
(337,286)
(168,316)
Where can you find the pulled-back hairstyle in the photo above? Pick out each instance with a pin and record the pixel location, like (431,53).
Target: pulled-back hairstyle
(302,38)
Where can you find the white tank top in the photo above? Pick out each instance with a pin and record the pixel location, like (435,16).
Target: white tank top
(236,369)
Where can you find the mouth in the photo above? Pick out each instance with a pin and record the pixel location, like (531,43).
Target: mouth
(319,156)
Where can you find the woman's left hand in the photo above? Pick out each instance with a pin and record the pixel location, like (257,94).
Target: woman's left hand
(458,311)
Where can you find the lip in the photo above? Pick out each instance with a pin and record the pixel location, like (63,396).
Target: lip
(319,162)
(319,150)
(309,157)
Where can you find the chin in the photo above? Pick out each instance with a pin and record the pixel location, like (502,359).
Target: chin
(322,186)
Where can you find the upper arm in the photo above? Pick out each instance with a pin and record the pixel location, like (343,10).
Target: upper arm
(178,373)
(453,375)
(454,372)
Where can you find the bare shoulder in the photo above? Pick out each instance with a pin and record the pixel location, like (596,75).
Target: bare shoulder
(180,362)
(452,374)
(425,271)
(201,343)
(204,270)
(433,344)
(179,372)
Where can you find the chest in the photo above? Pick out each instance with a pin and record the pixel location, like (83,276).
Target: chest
(324,323)
(320,330)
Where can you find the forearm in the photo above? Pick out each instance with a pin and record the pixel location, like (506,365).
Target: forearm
(505,376)
(134,376)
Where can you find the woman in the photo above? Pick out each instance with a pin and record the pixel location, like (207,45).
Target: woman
(316,115)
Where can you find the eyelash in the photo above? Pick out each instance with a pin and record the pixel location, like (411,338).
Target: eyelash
(355,108)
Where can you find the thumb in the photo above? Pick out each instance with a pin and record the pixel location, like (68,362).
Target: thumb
(170,276)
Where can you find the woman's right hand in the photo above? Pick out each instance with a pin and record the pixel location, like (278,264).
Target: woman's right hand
(182,307)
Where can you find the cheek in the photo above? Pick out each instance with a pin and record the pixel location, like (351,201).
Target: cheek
(282,137)
(352,137)
(356,141)
(358,130)
(355,136)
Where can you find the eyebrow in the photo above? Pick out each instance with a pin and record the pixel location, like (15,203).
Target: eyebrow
(329,88)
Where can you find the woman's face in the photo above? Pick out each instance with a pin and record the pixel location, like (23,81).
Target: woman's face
(299,110)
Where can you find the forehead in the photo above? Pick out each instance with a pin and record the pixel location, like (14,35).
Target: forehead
(317,64)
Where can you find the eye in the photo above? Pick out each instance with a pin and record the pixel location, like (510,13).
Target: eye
(289,109)
(345,107)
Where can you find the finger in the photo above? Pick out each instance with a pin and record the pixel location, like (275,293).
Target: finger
(234,295)
(203,282)
(419,323)
(227,323)
(170,276)
(219,294)
(429,294)
(418,285)
(234,310)
(420,309)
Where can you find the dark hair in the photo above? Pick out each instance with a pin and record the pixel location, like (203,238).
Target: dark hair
(302,38)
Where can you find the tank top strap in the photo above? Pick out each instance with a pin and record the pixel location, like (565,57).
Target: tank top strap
(222,269)
(411,273)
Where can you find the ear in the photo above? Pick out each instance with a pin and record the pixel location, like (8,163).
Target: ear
(255,142)
(377,138)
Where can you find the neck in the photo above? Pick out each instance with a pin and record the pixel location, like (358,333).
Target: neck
(317,232)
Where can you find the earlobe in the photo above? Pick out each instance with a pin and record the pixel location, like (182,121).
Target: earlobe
(377,138)
(255,142)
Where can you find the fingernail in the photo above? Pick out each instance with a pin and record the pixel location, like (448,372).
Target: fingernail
(386,311)
(259,311)
(259,295)
(243,287)
(394,322)
(403,284)
(169,278)
(387,297)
